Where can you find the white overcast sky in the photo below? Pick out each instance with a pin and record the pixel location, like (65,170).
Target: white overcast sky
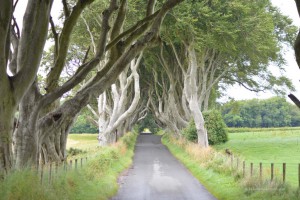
(292,71)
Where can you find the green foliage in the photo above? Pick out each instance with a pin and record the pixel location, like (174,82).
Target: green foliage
(273,112)
(82,125)
(216,127)
(246,35)
(190,132)
(74,151)
(148,122)
(129,140)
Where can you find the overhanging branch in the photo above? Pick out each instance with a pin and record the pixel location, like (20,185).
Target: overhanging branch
(294,99)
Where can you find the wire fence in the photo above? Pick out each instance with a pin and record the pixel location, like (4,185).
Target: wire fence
(285,172)
(47,172)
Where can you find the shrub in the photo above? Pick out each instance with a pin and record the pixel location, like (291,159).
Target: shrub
(190,132)
(74,151)
(215,126)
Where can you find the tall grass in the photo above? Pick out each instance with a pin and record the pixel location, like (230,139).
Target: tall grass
(96,180)
(214,169)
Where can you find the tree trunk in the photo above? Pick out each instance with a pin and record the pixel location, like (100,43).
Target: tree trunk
(54,128)
(7,110)
(120,98)
(191,87)
(199,122)
(26,139)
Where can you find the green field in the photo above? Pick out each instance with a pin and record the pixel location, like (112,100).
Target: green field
(275,146)
(82,141)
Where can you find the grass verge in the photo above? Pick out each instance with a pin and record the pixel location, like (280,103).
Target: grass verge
(226,188)
(96,180)
(213,169)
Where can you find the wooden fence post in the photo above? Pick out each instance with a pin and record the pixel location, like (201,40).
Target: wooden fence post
(76,164)
(56,167)
(71,164)
(299,175)
(42,173)
(272,171)
(65,166)
(283,171)
(251,169)
(81,162)
(244,166)
(260,171)
(50,172)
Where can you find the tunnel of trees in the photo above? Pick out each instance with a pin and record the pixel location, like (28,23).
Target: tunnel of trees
(120,62)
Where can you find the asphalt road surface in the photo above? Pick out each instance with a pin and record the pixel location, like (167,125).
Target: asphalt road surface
(157,175)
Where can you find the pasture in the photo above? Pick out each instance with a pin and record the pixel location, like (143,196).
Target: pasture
(268,146)
(82,141)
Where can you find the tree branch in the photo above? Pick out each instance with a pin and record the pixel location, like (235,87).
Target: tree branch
(85,68)
(66,8)
(294,99)
(86,55)
(32,41)
(55,36)
(63,44)
(131,30)
(150,7)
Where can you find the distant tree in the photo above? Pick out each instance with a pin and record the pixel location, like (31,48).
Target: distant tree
(273,112)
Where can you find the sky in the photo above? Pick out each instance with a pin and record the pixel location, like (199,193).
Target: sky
(292,71)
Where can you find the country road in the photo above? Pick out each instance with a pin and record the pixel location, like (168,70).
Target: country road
(157,175)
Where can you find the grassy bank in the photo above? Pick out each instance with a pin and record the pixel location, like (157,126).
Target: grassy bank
(96,180)
(222,186)
(213,170)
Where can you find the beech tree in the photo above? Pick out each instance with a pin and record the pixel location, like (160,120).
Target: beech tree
(21,53)
(43,123)
(216,45)
(115,106)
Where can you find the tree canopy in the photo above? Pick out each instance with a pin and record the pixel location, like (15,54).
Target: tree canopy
(131,58)
(273,112)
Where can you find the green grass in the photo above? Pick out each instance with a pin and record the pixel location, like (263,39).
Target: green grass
(97,179)
(273,146)
(213,169)
(82,141)
(222,186)
(245,129)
